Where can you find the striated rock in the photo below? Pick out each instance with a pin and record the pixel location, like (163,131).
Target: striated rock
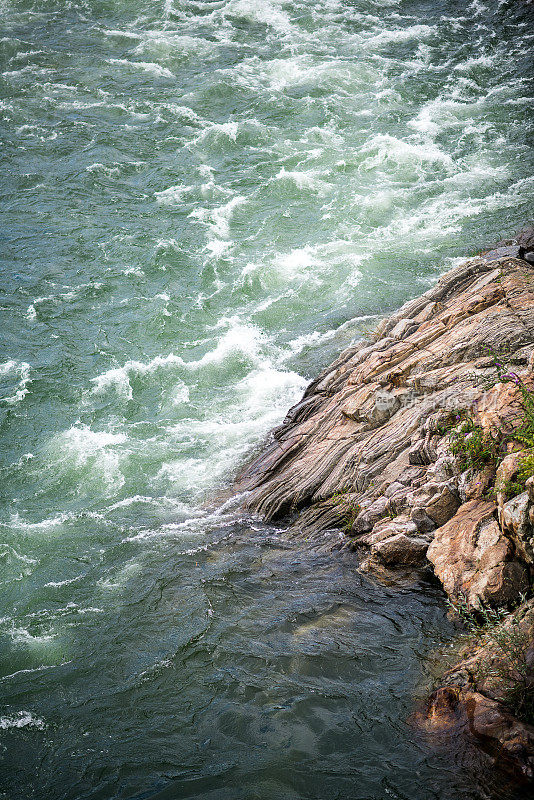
(423,451)
(363,420)
(473,559)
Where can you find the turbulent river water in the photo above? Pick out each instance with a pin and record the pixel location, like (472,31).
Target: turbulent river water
(202,203)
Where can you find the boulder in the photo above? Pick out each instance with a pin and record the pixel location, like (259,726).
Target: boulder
(388,528)
(506,251)
(505,472)
(443,502)
(367,519)
(510,742)
(400,550)
(515,520)
(473,558)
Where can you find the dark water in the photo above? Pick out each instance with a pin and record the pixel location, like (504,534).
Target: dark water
(196,199)
(246,668)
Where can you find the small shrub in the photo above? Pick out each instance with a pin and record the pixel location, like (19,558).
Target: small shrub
(451,420)
(473,448)
(525,432)
(350,508)
(526,470)
(510,645)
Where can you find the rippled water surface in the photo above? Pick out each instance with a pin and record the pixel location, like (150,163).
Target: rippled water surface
(202,202)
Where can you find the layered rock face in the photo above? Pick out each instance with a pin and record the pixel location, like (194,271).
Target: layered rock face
(367,449)
(416,443)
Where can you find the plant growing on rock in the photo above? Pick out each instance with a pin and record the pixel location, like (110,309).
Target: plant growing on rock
(349,507)
(516,485)
(473,447)
(501,633)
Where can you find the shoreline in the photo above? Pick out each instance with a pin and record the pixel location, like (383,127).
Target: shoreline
(418,443)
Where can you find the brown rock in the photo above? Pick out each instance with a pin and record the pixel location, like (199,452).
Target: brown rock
(505,472)
(400,550)
(510,741)
(443,505)
(515,520)
(472,558)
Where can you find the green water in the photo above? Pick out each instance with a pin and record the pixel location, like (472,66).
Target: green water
(202,203)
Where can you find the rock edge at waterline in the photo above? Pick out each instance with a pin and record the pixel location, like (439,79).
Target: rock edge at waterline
(407,442)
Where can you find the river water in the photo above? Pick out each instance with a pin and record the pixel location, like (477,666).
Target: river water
(202,203)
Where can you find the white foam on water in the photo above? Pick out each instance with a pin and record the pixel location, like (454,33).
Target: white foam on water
(440,114)
(257,403)
(218,129)
(478,61)
(118,579)
(66,582)
(383,38)
(166,44)
(179,394)
(11,553)
(21,635)
(146,66)
(95,455)
(20,370)
(305,179)
(174,195)
(123,34)
(18,522)
(104,170)
(385,149)
(23,719)
(218,221)
(298,264)
(267,12)
(118,379)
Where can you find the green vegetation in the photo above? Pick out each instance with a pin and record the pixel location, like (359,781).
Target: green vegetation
(502,633)
(474,448)
(526,469)
(349,506)
(477,449)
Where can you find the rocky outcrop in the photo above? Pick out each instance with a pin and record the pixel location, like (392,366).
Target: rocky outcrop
(475,561)
(374,425)
(494,677)
(413,443)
